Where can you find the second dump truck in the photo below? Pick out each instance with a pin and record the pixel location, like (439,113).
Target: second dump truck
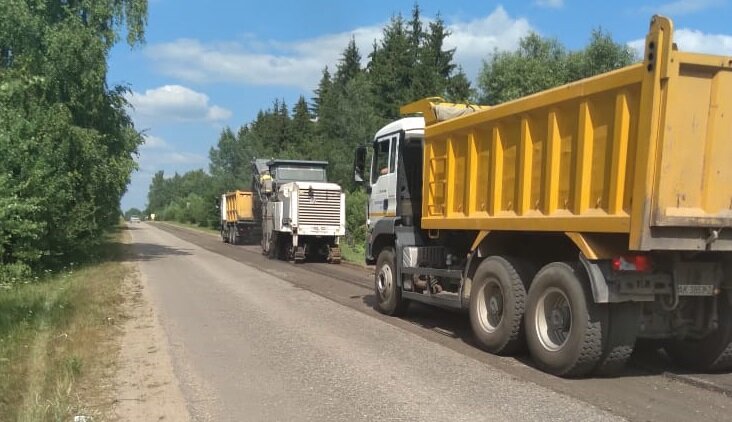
(571,222)
(238,218)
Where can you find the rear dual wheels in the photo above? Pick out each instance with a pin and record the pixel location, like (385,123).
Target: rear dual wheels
(497,302)
(711,353)
(565,329)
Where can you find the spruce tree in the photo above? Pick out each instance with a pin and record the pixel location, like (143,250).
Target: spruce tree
(349,65)
(321,91)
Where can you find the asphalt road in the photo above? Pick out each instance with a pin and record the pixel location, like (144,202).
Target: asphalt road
(254,339)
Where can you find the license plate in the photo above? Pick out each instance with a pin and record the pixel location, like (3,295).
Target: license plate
(696,290)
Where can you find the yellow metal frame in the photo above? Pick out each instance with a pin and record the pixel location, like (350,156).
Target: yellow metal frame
(239,206)
(602,155)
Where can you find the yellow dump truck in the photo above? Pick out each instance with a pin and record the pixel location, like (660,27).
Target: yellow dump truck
(238,220)
(570,222)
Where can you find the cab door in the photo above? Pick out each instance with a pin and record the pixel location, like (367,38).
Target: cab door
(383,201)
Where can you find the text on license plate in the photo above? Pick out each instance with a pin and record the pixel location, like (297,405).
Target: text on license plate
(696,289)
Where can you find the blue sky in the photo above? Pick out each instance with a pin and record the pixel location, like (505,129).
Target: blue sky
(207,65)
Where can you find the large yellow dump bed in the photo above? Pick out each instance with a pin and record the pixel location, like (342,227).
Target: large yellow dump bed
(239,206)
(644,150)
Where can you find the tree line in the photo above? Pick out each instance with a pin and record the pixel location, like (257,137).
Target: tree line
(67,145)
(351,102)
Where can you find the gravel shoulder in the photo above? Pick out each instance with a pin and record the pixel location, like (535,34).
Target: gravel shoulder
(147,388)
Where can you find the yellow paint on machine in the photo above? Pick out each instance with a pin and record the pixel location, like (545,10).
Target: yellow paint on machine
(648,145)
(382,214)
(239,206)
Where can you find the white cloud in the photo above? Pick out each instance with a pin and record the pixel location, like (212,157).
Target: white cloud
(697,41)
(154,143)
(300,63)
(477,39)
(157,153)
(151,161)
(683,7)
(553,4)
(176,103)
(692,40)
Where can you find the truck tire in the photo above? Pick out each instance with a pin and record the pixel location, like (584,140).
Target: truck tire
(564,327)
(497,303)
(273,248)
(622,330)
(712,353)
(225,234)
(388,295)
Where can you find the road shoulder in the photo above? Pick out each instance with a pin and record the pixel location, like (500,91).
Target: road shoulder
(147,388)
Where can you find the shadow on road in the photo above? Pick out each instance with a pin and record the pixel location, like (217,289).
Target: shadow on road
(140,251)
(648,359)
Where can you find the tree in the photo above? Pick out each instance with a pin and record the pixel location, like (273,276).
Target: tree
(601,55)
(133,212)
(67,145)
(543,63)
(459,89)
(538,64)
(321,91)
(301,128)
(349,65)
(390,69)
(435,65)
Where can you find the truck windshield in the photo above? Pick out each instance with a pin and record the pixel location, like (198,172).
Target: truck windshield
(300,174)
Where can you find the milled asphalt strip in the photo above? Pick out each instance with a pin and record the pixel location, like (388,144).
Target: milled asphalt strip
(272,351)
(637,394)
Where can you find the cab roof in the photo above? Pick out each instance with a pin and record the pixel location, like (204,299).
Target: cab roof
(406,124)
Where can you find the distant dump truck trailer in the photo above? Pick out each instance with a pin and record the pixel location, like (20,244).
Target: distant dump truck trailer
(238,222)
(303,215)
(573,221)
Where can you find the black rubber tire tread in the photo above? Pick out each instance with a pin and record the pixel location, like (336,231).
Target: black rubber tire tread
(274,247)
(513,275)
(623,322)
(713,353)
(395,306)
(583,348)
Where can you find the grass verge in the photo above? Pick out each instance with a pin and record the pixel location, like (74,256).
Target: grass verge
(58,340)
(351,253)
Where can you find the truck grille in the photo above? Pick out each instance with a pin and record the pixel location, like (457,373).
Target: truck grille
(319,207)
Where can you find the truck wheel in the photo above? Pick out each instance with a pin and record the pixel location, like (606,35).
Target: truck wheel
(622,331)
(225,234)
(564,327)
(388,295)
(273,248)
(265,244)
(235,238)
(497,301)
(712,353)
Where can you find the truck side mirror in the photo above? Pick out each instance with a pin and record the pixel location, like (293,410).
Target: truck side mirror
(359,165)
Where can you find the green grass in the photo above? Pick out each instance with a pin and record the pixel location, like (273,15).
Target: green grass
(57,340)
(352,253)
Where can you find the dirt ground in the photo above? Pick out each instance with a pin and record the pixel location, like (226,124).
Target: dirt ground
(146,386)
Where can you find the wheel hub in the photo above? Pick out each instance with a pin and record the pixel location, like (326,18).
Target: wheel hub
(553,320)
(384,281)
(490,306)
